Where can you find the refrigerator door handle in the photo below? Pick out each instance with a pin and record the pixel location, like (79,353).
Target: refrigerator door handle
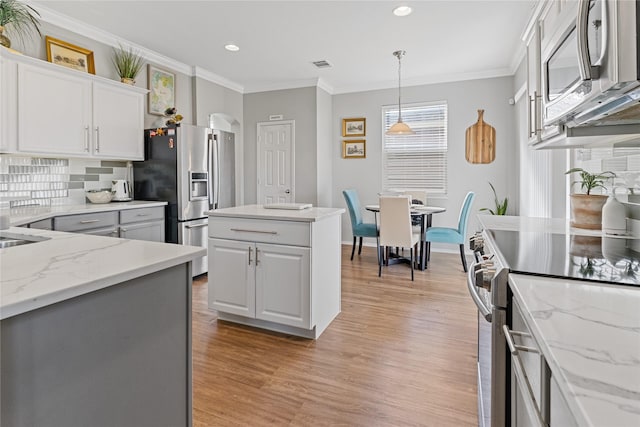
(216,173)
(210,174)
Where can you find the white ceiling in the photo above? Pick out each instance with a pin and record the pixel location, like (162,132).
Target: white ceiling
(444,40)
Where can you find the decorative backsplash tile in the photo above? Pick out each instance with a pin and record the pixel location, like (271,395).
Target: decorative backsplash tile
(623,161)
(41,181)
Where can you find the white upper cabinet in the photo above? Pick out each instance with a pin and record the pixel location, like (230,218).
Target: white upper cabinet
(63,112)
(54,112)
(118,122)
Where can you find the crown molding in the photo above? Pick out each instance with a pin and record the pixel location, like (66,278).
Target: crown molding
(217,79)
(442,78)
(533,19)
(295,84)
(322,84)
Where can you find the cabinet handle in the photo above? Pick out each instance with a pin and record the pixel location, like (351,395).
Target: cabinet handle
(257,261)
(97,139)
(521,375)
(533,127)
(124,230)
(89,221)
(86,139)
(114,233)
(250,255)
(241,230)
(143,214)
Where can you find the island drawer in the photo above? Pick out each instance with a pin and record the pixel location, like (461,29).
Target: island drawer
(85,221)
(256,230)
(141,214)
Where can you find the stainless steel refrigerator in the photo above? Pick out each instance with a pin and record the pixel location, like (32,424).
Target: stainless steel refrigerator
(193,169)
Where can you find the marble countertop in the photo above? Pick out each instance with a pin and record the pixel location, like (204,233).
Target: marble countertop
(25,215)
(590,337)
(72,264)
(259,212)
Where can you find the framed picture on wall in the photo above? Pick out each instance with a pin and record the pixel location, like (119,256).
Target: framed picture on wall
(354,149)
(69,55)
(354,127)
(162,90)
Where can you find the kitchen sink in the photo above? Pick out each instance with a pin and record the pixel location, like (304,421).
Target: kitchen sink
(8,240)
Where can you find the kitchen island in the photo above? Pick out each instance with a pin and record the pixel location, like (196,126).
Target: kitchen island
(95,331)
(276,269)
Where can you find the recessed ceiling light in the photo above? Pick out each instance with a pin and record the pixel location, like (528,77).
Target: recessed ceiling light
(402,11)
(232,47)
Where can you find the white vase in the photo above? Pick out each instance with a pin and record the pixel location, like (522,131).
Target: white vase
(614,217)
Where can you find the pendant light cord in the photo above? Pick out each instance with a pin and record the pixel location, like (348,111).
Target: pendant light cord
(399,86)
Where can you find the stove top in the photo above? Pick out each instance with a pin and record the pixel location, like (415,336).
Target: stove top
(594,258)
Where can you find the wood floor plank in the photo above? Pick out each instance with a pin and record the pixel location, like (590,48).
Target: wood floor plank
(400,353)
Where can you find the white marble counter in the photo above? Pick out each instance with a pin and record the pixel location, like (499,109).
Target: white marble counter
(259,212)
(590,336)
(71,264)
(25,215)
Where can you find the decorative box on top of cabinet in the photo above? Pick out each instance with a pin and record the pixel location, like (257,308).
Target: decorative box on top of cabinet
(64,112)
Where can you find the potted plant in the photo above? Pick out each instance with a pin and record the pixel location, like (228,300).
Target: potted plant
(19,19)
(501,207)
(586,209)
(128,63)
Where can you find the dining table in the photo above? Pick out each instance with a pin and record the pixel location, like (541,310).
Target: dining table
(426,215)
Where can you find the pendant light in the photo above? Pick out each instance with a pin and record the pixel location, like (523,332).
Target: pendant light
(399,128)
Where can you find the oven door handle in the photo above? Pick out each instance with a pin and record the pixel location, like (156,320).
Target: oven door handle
(473,290)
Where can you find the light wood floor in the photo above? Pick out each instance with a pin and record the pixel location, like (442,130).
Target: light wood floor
(401,353)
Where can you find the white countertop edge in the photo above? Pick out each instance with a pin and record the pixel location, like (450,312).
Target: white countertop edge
(41,213)
(574,398)
(23,306)
(312,214)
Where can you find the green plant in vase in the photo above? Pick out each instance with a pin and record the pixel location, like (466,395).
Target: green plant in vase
(128,63)
(17,19)
(501,207)
(586,209)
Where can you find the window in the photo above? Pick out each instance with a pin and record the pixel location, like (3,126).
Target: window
(416,161)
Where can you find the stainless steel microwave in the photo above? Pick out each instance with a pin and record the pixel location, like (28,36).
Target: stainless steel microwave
(591,67)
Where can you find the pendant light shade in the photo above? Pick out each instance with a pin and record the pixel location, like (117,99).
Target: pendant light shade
(399,128)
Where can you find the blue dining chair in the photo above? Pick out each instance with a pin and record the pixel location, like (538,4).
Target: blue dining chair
(359,228)
(454,235)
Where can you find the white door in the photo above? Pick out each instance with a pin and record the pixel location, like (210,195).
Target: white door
(232,277)
(54,112)
(118,123)
(283,285)
(276,162)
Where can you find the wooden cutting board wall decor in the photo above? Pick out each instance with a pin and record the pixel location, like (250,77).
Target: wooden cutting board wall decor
(480,142)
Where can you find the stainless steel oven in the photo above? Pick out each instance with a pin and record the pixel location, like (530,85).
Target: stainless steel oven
(488,287)
(590,69)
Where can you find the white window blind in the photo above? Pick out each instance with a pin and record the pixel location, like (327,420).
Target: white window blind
(416,161)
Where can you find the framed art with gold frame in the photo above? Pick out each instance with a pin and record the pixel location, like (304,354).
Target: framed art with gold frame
(354,149)
(354,127)
(69,55)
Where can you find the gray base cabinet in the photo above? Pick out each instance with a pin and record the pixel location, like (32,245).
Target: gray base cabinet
(137,224)
(119,356)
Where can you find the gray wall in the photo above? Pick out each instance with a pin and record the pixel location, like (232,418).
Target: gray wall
(463,99)
(325,148)
(293,104)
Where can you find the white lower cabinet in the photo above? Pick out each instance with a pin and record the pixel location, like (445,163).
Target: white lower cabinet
(281,275)
(261,281)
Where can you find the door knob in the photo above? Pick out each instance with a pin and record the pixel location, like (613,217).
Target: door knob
(287,191)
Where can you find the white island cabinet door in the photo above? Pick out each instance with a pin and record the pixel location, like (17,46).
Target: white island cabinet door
(118,122)
(283,285)
(54,112)
(232,277)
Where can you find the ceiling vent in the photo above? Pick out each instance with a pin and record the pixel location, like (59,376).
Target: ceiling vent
(322,64)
